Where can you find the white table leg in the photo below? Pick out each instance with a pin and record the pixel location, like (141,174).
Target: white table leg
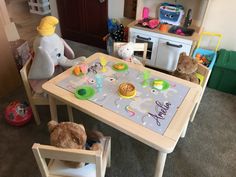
(184,130)
(194,112)
(161,158)
(53,108)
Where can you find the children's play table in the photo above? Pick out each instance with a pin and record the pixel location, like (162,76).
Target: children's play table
(156,113)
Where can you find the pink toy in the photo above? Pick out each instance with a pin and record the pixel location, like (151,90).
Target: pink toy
(84,68)
(153,23)
(145,12)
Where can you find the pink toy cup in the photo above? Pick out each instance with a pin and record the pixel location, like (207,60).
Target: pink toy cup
(145,12)
(84,68)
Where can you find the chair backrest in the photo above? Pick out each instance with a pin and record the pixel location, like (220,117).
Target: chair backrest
(138,47)
(97,160)
(34,99)
(24,76)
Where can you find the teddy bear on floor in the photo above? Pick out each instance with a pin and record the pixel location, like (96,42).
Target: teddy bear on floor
(73,135)
(186,68)
(126,52)
(51,54)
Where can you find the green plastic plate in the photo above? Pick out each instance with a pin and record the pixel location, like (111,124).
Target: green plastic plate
(84,92)
(120,70)
(165,84)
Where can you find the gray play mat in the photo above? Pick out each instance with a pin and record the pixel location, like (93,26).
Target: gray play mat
(151,108)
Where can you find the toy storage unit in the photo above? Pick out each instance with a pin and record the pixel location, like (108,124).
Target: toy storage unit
(207,49)
(223,75)
(40,7)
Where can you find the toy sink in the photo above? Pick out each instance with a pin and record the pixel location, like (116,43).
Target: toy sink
(181,31)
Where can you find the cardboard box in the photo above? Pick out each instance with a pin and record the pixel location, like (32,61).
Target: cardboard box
(21,52)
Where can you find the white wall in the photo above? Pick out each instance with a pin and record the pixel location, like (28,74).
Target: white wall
(221,18)
(115,8)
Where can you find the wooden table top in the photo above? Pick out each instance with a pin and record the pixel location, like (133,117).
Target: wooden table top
(165,143)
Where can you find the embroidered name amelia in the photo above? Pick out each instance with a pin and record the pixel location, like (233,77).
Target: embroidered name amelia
(162,109)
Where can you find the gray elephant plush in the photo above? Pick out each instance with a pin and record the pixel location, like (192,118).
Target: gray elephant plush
(51,51)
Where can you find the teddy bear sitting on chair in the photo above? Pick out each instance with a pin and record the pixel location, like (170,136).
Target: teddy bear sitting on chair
(51,54)
(71,135)
(187,68)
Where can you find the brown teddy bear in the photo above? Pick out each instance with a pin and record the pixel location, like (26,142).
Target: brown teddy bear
(186,68)
(73,136)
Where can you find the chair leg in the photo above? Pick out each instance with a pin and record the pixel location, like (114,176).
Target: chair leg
(70,113)
(36,114)
(109,155)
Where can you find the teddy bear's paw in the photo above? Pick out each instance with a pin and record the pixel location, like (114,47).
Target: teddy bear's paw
(96,147)
(74,164)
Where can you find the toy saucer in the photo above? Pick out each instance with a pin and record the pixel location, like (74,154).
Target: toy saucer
(84,92)
(160,85)
(127,97)
(119,67)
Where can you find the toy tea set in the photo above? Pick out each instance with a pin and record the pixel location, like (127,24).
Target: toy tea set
(125,89)
(136,95)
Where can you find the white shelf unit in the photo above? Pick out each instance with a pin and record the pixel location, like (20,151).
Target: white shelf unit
(40,7)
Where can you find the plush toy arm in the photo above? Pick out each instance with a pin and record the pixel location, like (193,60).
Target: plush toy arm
(42,66)
(68,52)
(65,62)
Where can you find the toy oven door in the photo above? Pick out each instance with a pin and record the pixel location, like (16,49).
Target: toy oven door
(151,49)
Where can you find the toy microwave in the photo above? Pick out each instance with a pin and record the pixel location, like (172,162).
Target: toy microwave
(171,13)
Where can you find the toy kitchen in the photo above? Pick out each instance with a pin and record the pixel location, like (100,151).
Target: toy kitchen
(168,28)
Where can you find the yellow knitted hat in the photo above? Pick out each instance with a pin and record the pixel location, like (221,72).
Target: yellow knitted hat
(47,25)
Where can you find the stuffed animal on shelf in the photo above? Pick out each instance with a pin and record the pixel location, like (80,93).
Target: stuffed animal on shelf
(126,52)
(51,53)
(186,68)
(73,135)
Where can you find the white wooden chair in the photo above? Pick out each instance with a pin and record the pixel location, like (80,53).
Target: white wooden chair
(98,160)
(36,99)
(138,47)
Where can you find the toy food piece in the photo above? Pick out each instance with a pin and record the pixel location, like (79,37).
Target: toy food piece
(119,66)
(158,84)
(126,89)
(198,55)
(81,92)
(77,70)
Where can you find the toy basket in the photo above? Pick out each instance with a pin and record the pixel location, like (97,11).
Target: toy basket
(207,47)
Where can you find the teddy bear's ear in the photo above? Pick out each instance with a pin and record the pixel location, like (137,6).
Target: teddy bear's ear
(51,125)
(195,62)
(82,126)
(183,54)
(181,57)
